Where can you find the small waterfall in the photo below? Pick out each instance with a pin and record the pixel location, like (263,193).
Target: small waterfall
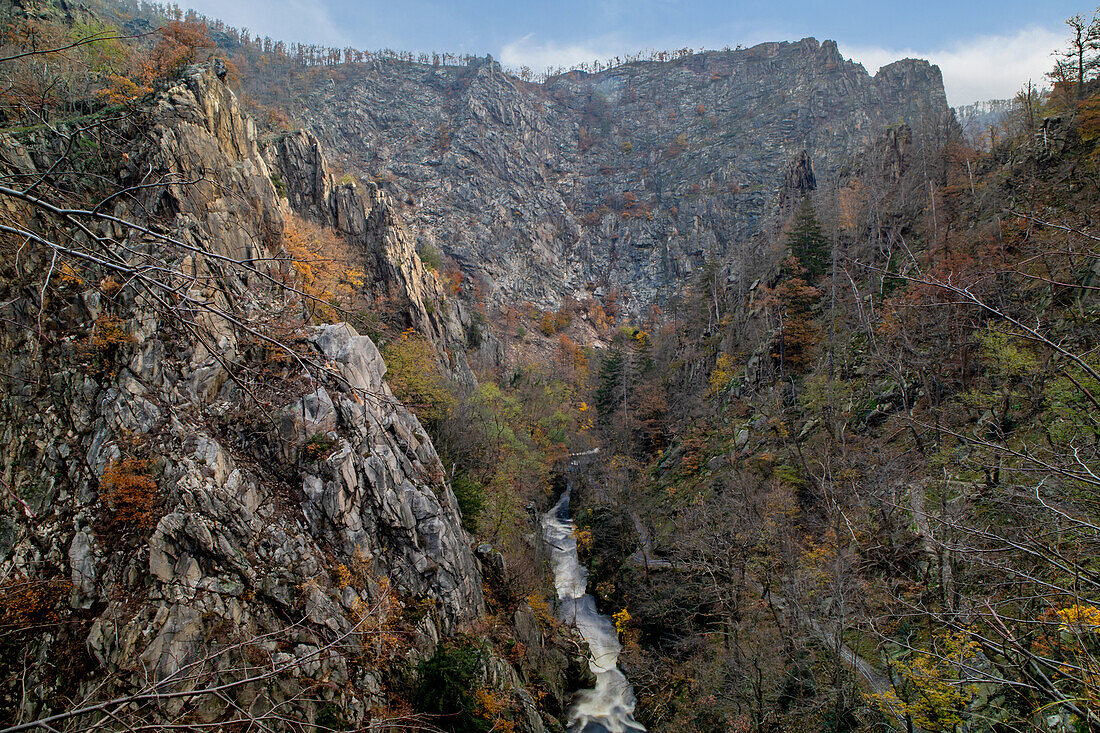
(609,707)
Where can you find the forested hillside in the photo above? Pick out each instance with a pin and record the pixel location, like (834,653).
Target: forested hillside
(299,345)
(862,495)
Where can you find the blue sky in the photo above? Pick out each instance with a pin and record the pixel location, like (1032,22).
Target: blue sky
(986,49)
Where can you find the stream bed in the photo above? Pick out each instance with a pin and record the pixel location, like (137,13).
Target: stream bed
(609,707)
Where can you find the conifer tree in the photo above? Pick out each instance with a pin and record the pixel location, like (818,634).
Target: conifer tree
(609,390)
(807,241)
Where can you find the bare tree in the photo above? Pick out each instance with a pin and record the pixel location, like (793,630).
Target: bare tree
(1077,63)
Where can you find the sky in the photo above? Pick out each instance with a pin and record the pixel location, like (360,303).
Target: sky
(987,49)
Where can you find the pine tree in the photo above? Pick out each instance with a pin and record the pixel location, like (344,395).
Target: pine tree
(807,241)
(609,391)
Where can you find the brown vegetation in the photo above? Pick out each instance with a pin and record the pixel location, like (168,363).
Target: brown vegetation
(129,492)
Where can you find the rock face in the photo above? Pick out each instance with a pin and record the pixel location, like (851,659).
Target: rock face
(295,519)
(624,180)
(382,487)
(364,215)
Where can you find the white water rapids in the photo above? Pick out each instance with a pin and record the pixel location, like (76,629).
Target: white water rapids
(609,707)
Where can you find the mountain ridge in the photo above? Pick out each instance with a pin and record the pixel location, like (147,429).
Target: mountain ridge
(624,180)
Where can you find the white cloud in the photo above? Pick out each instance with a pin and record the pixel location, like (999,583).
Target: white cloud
(985,67)
(528,51)
(305,21)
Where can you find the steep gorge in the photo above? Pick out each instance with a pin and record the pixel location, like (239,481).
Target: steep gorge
(299,539)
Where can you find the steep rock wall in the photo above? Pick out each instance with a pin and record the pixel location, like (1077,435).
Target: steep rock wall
(624,180)
(364,216)
(292,521)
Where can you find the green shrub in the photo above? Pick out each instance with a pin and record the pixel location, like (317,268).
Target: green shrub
(807,241)
(475,332)
(446,685)
(277,182)
(317,447)
(790,474)
(471,499)
(430,256)
(416,378)
(329,718)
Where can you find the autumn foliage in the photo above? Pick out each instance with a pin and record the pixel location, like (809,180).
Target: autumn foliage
(27,605)
(323,267)
(552,322)
(179,43)
(129,492)
(793,299)
(416,378)
(98,63)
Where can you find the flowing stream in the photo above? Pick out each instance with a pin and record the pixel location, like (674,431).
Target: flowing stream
(609,707)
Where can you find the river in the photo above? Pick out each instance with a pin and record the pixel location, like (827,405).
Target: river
(609,707)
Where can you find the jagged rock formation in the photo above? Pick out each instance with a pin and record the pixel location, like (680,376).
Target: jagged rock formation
(628,179)
(363,214)
(290,513)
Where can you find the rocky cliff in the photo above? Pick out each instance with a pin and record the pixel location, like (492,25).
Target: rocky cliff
(213,509)
(365,217)
(625,180)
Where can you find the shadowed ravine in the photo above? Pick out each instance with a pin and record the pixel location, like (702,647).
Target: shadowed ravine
(610,705)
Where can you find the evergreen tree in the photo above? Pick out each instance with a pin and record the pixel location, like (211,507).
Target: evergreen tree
(807,241)
(609,391)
